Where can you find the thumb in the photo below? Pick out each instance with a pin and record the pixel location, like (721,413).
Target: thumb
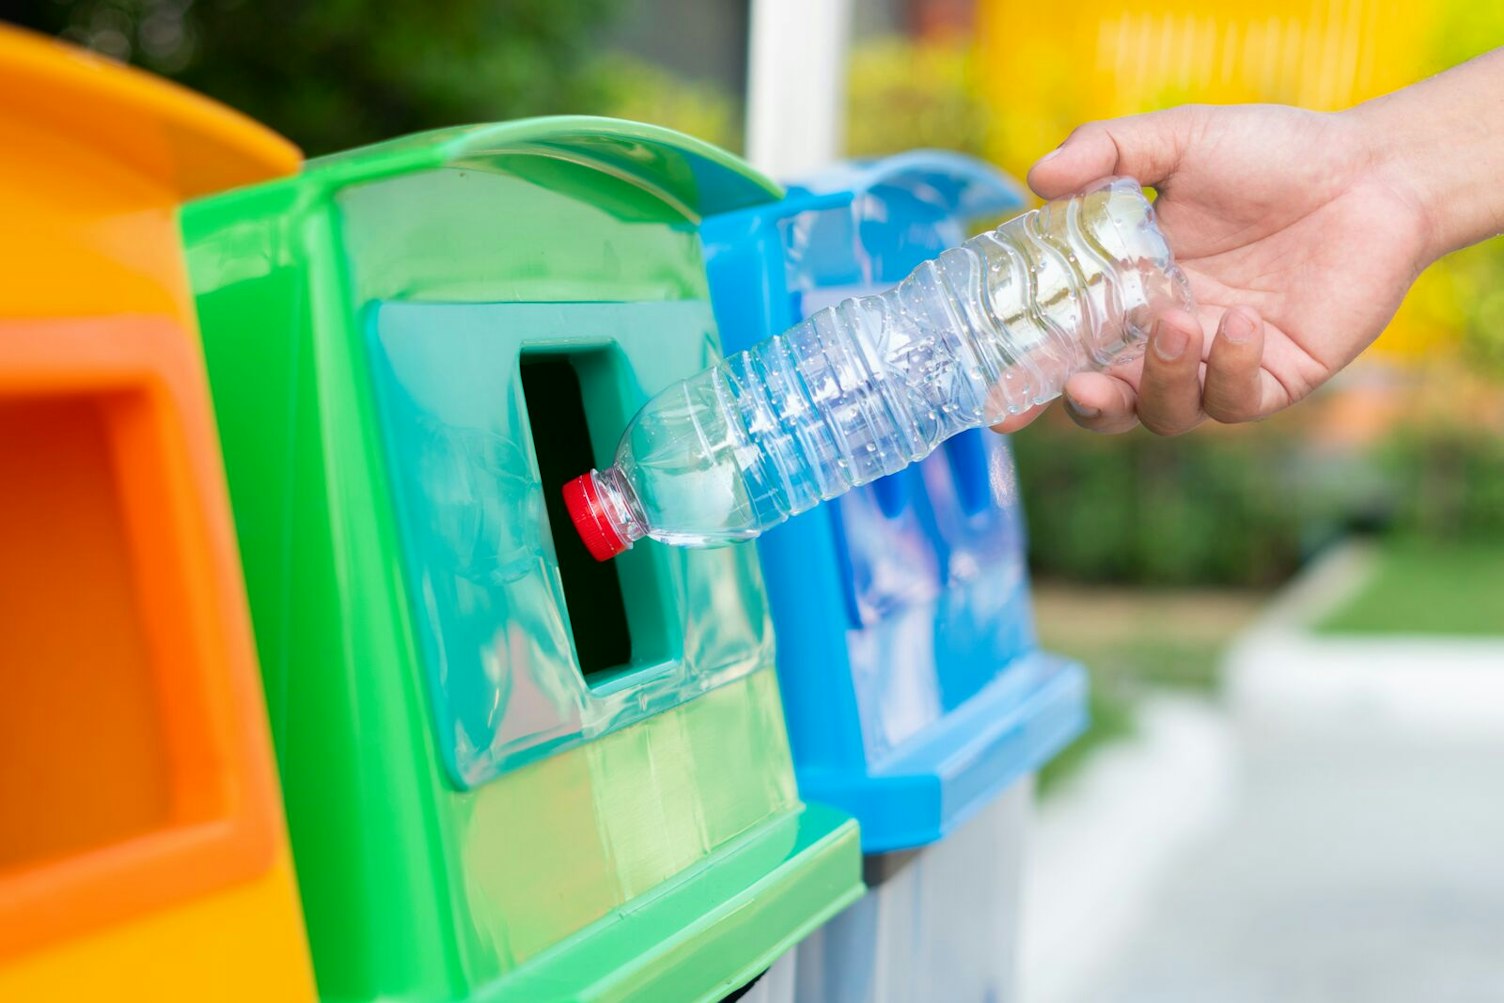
(1144,147)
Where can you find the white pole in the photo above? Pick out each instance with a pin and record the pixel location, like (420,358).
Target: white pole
(796,84)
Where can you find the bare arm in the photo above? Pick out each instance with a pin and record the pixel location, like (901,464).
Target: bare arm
(1444,137)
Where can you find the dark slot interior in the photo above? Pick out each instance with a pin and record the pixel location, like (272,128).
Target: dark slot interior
(561,441)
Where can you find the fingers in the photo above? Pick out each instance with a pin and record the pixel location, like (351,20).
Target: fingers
(1173,394)
(1145,147)
(1236,387)
(1101,403)
(1014,422)
(1169,392)
(1094,401)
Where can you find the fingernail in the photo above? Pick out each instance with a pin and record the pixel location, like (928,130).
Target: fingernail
(1051,155)
(1170,342)
(1081,410)
(1237,328)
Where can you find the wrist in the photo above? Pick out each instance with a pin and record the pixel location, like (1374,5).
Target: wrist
(1434,147)
(1394,154)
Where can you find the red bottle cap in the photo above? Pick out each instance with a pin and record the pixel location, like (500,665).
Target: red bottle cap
(591,520)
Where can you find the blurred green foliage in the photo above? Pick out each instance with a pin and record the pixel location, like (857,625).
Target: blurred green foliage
(638,90)
(338,73)
(1473,282)
(905,95)
(1448,482)
(1213,508)
(1246,506)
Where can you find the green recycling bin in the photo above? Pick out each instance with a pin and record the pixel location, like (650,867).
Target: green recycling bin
(510,772)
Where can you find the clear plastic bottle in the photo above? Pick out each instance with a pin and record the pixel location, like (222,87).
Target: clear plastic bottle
(866,387)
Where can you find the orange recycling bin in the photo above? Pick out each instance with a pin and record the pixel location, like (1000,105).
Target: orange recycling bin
(142,845)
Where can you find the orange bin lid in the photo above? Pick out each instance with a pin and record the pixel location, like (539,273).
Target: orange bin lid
(191,144)
(98,158)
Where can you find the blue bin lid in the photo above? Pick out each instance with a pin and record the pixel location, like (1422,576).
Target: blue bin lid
(953,185)
(902,211)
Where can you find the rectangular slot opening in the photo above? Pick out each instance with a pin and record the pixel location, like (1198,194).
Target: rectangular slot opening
(84,757)
(561,389)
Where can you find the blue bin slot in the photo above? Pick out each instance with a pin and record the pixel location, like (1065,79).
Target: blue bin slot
(968,456)
(890,563)
(892,495)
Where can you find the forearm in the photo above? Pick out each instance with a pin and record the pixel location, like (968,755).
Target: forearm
(1442,142)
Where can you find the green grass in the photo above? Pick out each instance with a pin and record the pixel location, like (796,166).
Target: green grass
(1120,673)
(1144,661)
(1133,641)
(1427,588)
(1111,719)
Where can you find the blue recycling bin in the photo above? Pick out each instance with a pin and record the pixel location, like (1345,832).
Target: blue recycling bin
(915,693)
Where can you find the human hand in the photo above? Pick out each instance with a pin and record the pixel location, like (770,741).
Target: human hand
(1298,240)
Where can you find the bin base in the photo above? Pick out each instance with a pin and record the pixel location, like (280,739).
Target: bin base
(942,926)
(711,929)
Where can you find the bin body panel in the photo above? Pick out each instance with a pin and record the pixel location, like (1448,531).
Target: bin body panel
(507,777)
(942,925)
(142,847)
(240,942)
(906,649)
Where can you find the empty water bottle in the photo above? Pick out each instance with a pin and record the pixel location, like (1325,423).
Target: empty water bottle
(866,387)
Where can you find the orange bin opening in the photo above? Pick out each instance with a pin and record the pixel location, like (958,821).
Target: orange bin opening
(81,735)
(130,770)
(141,852)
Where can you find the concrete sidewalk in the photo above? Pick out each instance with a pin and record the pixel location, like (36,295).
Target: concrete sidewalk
(1347,844)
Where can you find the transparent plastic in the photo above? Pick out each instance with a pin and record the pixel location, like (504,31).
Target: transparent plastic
(866,387)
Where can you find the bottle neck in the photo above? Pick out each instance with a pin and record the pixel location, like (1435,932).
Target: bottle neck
(620,505)
(605,512)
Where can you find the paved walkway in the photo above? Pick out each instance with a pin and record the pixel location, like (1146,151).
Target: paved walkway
(1332,831)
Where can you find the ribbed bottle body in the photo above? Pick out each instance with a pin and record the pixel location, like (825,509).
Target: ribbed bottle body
(875,383)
